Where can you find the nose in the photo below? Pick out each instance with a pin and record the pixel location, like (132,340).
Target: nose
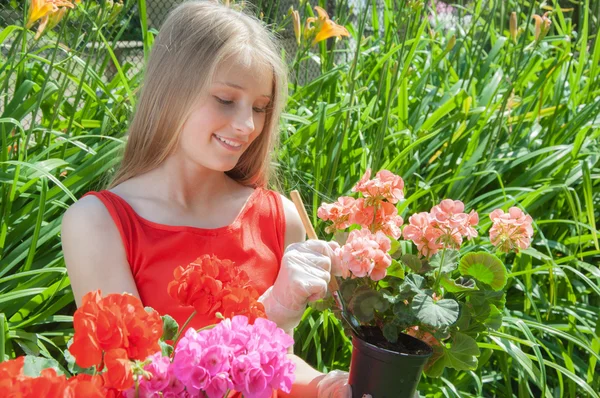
(243,121)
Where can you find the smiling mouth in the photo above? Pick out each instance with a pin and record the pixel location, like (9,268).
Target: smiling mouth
(228,142)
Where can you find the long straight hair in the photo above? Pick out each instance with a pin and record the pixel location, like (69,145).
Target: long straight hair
(194,40)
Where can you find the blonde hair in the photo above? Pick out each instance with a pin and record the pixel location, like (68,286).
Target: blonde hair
(194,40)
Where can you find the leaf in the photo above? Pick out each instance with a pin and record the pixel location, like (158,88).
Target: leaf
(348,288)
(494,319)
(170,328)
(481,302)
(34,365)
(403,315)
(437,362)
(450,261)
(458,285)
(365,302)
(463,353)
(484,267)
(166,349)
(437,314)
(396,270)
(413,284)
(390,332)
(412,262)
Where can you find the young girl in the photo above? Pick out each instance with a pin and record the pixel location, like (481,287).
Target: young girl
(193,181)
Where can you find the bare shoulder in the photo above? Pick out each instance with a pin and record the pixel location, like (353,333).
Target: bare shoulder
(86,213)
(294,229)
(93,250)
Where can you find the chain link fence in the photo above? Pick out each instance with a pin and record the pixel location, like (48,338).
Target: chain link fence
(128,49)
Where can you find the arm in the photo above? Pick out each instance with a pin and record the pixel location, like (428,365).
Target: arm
(93,251)
(307,378)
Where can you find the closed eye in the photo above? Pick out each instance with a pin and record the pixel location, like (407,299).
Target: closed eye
(228,102)
(222,101)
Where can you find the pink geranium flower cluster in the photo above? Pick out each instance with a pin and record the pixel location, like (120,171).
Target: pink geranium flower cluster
(512,230)
(385,186)
(365,254)
(444,226)
(232,356)
(375,211)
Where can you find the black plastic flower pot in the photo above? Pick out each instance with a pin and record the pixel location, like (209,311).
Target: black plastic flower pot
(384,373)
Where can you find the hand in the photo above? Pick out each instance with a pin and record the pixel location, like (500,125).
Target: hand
(303,277)
(334,385)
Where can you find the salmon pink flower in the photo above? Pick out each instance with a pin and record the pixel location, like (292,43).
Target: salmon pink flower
(511,231)
(338,212)
(385,186)
(366,254)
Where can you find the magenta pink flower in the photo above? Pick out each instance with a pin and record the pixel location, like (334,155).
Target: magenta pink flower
(366,254)
(511,231)
(385,186)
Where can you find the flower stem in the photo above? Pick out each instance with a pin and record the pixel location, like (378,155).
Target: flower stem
(181,329)
(439,274)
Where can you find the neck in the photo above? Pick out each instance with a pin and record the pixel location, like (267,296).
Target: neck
(188,184)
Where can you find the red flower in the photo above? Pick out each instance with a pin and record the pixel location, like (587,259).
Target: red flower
(84,385)
(243,301)
(212,285)
(117,321)
(118,373)
(10,372)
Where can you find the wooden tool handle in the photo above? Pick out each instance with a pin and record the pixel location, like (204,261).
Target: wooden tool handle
(310,231)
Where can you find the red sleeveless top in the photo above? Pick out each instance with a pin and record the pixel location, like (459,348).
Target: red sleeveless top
(253,242)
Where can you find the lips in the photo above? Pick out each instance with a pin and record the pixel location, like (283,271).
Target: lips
(228,143)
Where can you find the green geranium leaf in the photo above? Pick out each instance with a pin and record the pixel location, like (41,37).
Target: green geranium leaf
(480,303)
(395,269)
(437,314)
(166,349)
(484,267)
(403,315)
(413,284)
(463,353)
(458,285)
(437,363)
(348,288)
(390,332)
(450,261)
(170,328)
(395,245)
(34,365)
(494,319)
(365,302)
(412,262)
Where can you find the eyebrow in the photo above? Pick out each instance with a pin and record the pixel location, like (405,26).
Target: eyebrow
(242,88)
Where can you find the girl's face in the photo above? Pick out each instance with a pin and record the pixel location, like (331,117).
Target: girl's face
(228,117)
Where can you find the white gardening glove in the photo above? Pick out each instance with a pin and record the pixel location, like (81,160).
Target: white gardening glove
(303,277)
(334,385)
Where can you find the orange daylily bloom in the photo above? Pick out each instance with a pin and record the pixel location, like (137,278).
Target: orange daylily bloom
(322,28)
(48,12)
(542,25)
(297,27)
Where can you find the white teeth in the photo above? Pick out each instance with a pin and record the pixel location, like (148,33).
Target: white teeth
(233,144)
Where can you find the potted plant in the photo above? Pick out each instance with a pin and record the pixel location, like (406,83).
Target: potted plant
(416,309)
